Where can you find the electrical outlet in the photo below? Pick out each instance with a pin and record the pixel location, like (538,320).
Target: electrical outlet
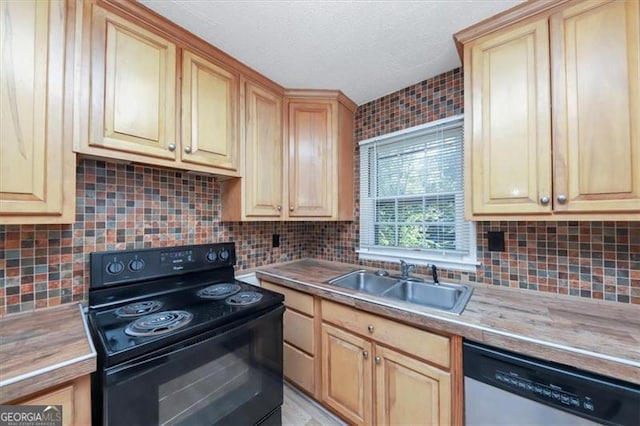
(275,240)
(496,240)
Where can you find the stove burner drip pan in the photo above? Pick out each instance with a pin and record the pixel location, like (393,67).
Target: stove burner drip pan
(138,308)
(219,291)
(244,298)
(159,323)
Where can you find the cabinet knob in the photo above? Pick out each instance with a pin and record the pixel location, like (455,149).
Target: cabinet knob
(290,209)
(279,208)
(365,354)
(562,198)
(370,328)
(544,200)
(171,147)
(378,360)
(187,149)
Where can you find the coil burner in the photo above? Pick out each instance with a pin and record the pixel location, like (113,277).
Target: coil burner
(138,308)
(244,298)
(159,323)
(219,291)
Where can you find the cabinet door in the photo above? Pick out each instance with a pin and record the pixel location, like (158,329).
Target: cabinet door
(596,85)
(508,149)
(346,374)
(263,152)
(209,113)
(409,391)
(74,397)
(36,163)
(133,85)
(311,159)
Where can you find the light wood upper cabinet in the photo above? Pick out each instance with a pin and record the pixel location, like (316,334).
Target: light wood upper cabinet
(37,166)
(259,194)
(133,76)
(347,375)
(302,173)
(311,159)
(509,121)
(595,60)
(552,100)
(148,98)
(264,148)
(320,152)
(209,113)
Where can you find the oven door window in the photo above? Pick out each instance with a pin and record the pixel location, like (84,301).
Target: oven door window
(234,377)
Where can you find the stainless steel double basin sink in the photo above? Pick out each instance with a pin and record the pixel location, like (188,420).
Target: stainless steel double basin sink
(447,297)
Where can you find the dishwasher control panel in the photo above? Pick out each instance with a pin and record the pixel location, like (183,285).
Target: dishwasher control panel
(588,395)
(550,391)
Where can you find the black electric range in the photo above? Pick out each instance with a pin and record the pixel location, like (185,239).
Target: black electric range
(162,319)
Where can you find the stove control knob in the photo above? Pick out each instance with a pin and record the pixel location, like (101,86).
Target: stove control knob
(224,255)
(211,256)
(115,267)
(136,265)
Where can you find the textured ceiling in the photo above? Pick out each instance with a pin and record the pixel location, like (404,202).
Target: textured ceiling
(365,48)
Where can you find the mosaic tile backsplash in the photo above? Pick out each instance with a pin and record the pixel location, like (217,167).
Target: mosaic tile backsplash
(599,260)
(121,207)
(134,206)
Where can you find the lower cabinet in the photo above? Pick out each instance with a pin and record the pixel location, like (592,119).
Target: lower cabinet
(74,397)
(346,374)
(363,378)
(300,338)
(409,391)
(369,369)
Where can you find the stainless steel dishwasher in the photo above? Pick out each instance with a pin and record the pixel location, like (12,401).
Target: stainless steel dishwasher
(504,388)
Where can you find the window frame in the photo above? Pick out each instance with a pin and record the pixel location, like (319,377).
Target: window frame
(447,259)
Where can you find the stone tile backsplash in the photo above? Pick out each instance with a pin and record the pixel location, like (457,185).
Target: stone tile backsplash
(121,207)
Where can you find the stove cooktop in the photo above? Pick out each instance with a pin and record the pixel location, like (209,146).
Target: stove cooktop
(121,339)
(143,300)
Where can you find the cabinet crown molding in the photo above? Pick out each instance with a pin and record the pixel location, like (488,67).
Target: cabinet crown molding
(502,20)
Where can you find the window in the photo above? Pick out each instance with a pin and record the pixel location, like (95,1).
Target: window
(412,197)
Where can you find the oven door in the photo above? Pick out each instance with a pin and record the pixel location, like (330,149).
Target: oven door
(230,376)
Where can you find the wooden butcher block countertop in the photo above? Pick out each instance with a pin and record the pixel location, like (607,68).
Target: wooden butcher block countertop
(597,336)
(43,348)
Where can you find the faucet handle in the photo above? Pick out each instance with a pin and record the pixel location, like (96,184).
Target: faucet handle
(434,273)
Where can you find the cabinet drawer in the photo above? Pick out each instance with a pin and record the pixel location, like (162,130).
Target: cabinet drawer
(294,299)
(418,343)
(298,330)
(298,367)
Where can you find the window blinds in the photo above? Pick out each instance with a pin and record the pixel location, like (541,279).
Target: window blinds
(411,190)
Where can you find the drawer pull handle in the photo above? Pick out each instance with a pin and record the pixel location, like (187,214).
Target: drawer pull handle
(365,354)
(370,328)
(562,198)
(378,360)
(171,147)
(544,200)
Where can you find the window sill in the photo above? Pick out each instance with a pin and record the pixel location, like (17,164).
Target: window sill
(462,263)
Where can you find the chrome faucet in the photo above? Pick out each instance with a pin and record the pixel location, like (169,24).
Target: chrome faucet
(405,269)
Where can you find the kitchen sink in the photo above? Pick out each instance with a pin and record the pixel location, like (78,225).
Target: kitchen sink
(447,297)
(439,296)
(364,281)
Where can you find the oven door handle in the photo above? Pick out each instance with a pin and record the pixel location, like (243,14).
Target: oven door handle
(133,369)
